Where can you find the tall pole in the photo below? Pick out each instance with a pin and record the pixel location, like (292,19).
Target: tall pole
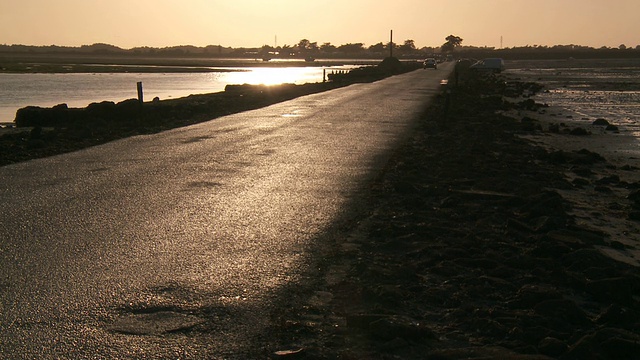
(391,44)
(140,94)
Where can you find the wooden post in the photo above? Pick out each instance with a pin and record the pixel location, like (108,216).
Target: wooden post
(391,45)
(140,95)
(324,75)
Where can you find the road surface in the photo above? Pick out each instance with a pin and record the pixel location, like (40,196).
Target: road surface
(177,245)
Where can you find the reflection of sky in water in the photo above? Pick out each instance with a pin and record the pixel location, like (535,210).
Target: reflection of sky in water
(617,107)
(612,93)
(273,76)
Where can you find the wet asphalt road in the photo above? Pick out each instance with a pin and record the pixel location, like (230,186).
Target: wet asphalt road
(175,245)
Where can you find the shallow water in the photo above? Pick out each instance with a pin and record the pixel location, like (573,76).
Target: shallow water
(79,90)
(608,89)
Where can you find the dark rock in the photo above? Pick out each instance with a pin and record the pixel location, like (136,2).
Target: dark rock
(571,239)
(582,171)
(564,310)
(362,321)
(548,203)
(547,223)
(634,196)
(600,122)
(484,352)
(634,215)
(528,104)
(37,116)
(529,124)
(394,345)
(130,108)
(607,343)
(594,157)
(582,157)
(530,295)
(621,348)
(391,327)
(618,315)
(245,88)
(579,182)
(36,133)
(579,132)
(608,180)
(620,289)
(550,250)
(101,110)
(552,347)
(617,244)
(582,259)
(584,349)
(554,128)
(602,189)
(390,64)
(613,128)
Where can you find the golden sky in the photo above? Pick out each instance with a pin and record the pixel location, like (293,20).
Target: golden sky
(253,23)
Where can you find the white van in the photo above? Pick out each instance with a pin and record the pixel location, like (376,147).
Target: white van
(490,64)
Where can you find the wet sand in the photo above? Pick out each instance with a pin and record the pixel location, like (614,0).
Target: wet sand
(489,237)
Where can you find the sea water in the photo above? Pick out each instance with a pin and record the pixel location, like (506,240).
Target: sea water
(605,88)
(81,89)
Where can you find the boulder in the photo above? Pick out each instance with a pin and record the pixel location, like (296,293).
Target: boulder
(102,110)
(38,116)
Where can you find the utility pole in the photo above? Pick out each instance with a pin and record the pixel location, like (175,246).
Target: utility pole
(391,45)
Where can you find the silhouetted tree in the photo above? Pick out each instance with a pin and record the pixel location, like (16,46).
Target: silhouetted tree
(451,43)
(327,47)
(304,44)
(351,48)
(408,47)
(377,48)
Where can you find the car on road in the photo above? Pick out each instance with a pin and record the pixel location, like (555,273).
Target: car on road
(430,63)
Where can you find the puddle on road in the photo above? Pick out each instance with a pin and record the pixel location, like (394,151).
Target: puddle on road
(155,323)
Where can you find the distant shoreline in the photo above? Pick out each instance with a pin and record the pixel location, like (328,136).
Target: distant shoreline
(61,63)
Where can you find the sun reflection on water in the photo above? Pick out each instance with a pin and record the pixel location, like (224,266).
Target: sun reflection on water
(274,76)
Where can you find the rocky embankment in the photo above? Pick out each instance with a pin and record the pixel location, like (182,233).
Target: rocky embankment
(471,252)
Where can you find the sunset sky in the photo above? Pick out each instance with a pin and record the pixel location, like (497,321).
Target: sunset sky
(253,23)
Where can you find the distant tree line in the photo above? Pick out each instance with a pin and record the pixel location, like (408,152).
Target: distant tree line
(304,48)
(310,49)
